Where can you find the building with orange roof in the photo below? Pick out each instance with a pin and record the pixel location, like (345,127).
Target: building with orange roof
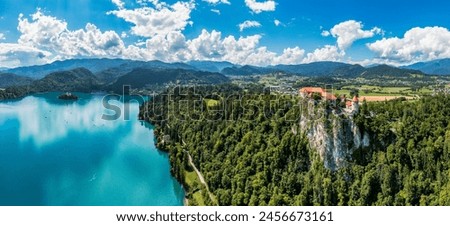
(309,91)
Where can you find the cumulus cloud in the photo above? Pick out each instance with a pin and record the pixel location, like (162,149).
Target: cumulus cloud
(215,2)
(2,36)
(118,3)
(290,56)
(45,38)
(418,44)
(258,7)
(349,31)
(14,55)
(248,24)
(327,53)
(160,20)
(244,50)
(170,48)
(51,34)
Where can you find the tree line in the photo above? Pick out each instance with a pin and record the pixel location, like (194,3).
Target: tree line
(254,154)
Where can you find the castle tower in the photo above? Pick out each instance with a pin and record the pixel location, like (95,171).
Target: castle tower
(355,104)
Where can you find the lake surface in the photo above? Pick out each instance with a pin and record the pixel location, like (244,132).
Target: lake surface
(55,152)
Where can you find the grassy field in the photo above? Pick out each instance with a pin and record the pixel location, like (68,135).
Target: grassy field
(381,98)
(194,183)
(376,91)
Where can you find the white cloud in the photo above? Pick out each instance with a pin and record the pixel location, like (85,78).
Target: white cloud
(349,31)
(45,38)
(15,55)
(248,24)
(325,33)
(245,50)
(418,44)
(327,53)
(161,20)
(52,35)
(277,22)
(170,48)
(2,36)
(118,3)
(290,56)
(258,7)
(215,2)
(215,11)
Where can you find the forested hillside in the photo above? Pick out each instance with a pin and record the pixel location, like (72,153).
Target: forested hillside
(251,154)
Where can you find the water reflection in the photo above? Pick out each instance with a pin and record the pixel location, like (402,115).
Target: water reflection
(63,153)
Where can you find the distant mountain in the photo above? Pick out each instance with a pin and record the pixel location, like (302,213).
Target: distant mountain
(389,71)
(8,80)
(140,78)
(435,67)
(248,70)
(327,69)
(324,68)
(211,66)
(110,75)
(79,79)
(93,65)
(312,69)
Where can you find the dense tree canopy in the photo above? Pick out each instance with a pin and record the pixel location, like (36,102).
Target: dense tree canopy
(251,152)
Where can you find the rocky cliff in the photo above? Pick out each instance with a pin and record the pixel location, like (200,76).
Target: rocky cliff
(332,133)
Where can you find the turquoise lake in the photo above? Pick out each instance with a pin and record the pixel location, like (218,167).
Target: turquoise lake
(56,152)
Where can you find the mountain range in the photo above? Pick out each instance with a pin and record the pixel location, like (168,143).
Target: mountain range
(111,69)
(109,74)
(84,80)
(435,67)
(9,79)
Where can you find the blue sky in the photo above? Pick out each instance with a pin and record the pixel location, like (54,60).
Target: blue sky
(257,32)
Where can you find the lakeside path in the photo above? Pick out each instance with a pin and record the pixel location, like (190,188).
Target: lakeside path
(199,174)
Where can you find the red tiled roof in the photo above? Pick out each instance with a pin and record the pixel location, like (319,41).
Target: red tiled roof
(312,90)
(323,93)
(329,96)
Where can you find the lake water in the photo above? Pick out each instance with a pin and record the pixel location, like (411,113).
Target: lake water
(55,152)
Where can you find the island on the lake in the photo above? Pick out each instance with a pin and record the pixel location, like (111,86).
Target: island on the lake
(68,96)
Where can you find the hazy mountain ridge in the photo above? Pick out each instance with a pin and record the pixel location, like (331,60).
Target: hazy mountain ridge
(79,79)
(325,68)
(435,67)
(111,74)
(141,77)
(9,79)
(211,66)
(390,71)
(93,65)
(248,70)
(109,70)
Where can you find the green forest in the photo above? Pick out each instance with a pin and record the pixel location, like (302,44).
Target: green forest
(246,146)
